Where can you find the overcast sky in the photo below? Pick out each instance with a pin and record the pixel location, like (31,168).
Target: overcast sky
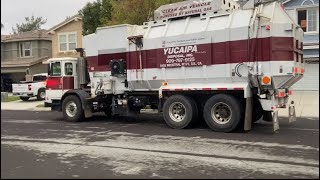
(55,11)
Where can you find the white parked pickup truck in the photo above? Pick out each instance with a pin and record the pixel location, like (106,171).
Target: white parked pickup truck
(34,88)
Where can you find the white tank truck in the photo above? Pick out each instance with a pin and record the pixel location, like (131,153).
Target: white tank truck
(210,59)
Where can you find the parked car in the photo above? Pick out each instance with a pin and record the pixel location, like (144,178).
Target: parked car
(34,88)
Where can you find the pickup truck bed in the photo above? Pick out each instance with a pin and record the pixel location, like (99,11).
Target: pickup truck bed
(27,89)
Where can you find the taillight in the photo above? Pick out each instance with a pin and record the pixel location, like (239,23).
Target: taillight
(298,70)
(29,87)
(280,94)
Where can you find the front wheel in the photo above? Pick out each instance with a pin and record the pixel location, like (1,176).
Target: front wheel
(222,113)
(72,109)
(179,111)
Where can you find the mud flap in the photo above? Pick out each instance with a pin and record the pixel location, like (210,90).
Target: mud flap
(248,115)
(267,116)
(275,121)
(292,113)
(87,107)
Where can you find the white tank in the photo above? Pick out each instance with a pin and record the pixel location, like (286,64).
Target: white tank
(200,44)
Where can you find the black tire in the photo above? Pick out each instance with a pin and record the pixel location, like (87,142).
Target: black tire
(72,115)
(108,112)
(257,111)
(231,110)
(189,109)
(40,93)
(24,98)
(195,111)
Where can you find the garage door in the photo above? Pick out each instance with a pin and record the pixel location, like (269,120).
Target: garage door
(310,81)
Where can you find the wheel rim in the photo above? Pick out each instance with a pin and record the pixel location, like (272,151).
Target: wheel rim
(71,109)
(42,95)
(177,112)
(221,113)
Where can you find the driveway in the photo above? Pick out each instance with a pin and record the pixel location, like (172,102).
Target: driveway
(30,105)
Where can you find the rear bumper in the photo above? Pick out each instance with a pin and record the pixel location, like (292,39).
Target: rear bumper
(279,99)
(24,94)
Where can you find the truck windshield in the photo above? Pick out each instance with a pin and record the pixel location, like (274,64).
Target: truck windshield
(39,78)
(55,69)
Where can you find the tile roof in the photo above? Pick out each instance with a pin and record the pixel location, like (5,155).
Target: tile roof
(29,35)
(23,62)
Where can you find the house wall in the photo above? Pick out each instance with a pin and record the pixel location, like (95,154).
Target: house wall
(2,50)
(40,48)
(294,3)
(74,26)
(310,81)
(38,68)
(10,52)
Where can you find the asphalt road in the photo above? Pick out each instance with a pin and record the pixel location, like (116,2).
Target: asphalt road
(42,145)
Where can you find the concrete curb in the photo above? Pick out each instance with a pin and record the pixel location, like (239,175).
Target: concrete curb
(21,105)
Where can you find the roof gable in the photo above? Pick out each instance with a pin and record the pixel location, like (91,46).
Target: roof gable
(65,22)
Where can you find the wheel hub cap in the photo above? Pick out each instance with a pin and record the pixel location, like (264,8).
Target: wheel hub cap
(43,95)
(71,109)
(221,113)
(177,112)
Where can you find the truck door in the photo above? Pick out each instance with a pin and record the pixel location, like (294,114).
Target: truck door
(68,78)
(54,81)
(62,78)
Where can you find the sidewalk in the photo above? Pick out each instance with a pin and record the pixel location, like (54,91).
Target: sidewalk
(307,104)
(30,105)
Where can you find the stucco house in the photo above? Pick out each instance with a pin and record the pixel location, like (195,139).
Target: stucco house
(23,53)
(306,14)
(66,37)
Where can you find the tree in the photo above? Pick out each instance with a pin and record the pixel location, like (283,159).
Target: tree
(113,12)
(135,11)
(95,15)
(31,23)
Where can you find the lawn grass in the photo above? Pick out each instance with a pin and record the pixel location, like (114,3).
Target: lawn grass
(12,98)
(40,106)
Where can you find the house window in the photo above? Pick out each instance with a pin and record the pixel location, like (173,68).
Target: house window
(25,49)
(67,42)
(307,19)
